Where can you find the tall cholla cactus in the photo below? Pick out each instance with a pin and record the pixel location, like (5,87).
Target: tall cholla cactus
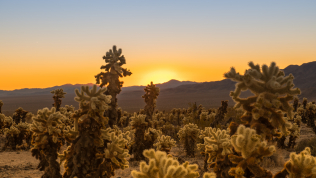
(1,104)
(189,135)
(252,149)
(272,93)
(219,117)
(111,77)
(58,93)
(139,124)
(95,151)
(301,165)
(150,97)
(47,127)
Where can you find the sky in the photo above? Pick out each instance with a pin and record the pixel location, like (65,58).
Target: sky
(51,43)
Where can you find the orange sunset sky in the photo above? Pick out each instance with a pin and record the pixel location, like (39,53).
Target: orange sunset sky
(45,44)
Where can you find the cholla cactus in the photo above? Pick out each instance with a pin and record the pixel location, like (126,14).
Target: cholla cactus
(58,93)
(150,97)
(15,133)
(252,149)
(116,152)
(160,166)
(25,134)
(84,157)
(19,115)
(220,114)
(310,114)
(143,139)
(272,93)
(47,129)
(165,143)
(295,103)
(5,122)
(11,134)
(114,71)
(1,104)
(301,165)
(189,135)
(216,146)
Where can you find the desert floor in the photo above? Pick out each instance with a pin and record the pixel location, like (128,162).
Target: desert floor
(21,164)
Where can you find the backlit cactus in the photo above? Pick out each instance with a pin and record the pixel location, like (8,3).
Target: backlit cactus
(58,93)
(95,152)
(252,149)
(301,165)
(164,143)
(188,135)
(151,94)
(19,115)
(114,62)
(216,145)
(272,93)
(162,166)
(47,128)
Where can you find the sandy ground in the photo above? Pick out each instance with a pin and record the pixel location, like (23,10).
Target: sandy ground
(21,164)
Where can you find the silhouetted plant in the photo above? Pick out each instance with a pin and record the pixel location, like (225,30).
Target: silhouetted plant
(114,62)
(272,93)
(151,94)
(19,115)
(188,135)
(46,140)
(219,117)
(95,150)
(58,93)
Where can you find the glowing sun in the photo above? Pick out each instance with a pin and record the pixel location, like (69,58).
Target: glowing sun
(159,76)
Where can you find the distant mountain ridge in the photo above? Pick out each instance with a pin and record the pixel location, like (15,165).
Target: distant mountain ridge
(69,88)
(173,94)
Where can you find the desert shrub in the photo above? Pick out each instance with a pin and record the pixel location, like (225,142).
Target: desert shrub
(307,142)
(275,160)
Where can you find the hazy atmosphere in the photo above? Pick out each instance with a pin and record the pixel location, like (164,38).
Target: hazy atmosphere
(50,43)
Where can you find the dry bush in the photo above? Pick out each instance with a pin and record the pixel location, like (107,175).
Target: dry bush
(275,160)
(308,142)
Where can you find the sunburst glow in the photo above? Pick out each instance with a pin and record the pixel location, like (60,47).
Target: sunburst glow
(160,76)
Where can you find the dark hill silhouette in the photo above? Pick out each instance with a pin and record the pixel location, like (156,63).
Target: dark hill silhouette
(173,94)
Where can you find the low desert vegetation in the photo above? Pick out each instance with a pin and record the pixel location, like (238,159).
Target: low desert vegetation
(232,142)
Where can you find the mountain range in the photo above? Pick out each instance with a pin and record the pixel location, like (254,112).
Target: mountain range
(173,94)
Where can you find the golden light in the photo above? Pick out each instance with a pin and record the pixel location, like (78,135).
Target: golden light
(159,76)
